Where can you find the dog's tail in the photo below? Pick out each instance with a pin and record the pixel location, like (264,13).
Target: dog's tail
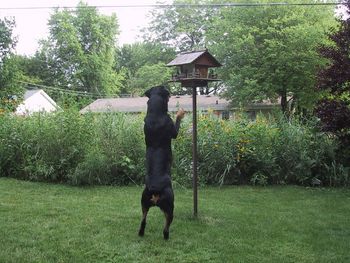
(155,198)
(154,190)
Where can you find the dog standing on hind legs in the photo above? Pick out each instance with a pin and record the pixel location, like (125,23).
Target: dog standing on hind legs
(159,130)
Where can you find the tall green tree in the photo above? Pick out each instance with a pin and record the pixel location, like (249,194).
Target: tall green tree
(144,66)
(10,73)
(183,27)
(335,77)
(180,27)
(270,52)
(148,76)
(334,109)
(80,51)
(7,40)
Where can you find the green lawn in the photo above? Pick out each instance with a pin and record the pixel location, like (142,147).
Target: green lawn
(57,223)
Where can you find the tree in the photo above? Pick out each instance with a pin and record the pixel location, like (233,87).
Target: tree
(133,56)
(144,65)
(183,27)
(179,27)
(11,90)
(80,51)
(334,109)
(7,40)
(336,76)
(148,76)
(10,74)
(271,52)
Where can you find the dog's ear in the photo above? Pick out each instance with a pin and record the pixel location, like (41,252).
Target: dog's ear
(164,92)
(148,93)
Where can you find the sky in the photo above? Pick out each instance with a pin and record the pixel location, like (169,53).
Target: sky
(31,24)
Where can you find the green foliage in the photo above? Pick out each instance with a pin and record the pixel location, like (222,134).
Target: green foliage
(109,149)
(93,170)
(119,137)
(148,76)
(183,29)
(68,101)
(143,65)
(80,52)
(215,151)
(7,40)
(11,90)
(334,109)
(261,152)
(134,56)
(50,146)
(68,147)
(271,52)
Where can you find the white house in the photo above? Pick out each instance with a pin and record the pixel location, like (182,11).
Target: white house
(36,101)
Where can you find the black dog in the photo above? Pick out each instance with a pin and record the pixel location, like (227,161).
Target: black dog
(159,129)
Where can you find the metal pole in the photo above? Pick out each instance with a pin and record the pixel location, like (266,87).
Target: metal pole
(194,151)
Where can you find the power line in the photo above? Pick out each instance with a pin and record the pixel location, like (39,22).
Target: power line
(68,91)
(178,5)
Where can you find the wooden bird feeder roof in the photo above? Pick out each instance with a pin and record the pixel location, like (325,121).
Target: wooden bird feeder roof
(202,57)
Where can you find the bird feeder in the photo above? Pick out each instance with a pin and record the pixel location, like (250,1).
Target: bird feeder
(194,70)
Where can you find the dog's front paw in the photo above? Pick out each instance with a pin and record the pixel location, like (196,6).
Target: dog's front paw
(180,114)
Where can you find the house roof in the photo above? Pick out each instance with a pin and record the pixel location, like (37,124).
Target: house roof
(30,93)
(36,100)
(191,57)
(139,104)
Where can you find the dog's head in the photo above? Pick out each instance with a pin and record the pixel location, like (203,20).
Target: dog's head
(158,99)
(158,91)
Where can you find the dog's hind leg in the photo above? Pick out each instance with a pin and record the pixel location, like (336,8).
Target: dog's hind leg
(166,204)
(168,219)
(143,221)
(145,203)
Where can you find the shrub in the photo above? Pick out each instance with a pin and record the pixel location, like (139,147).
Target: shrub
(51,145)
(93,170)
(265,151)
(10,145)
(109,149)
(120,138)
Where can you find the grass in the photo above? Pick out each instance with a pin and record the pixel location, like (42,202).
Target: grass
(57,223)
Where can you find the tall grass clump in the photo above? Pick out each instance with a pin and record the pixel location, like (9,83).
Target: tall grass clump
(215,151)
(109,149)
(115,154)
(69,147)
(260,152)
(44,147)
